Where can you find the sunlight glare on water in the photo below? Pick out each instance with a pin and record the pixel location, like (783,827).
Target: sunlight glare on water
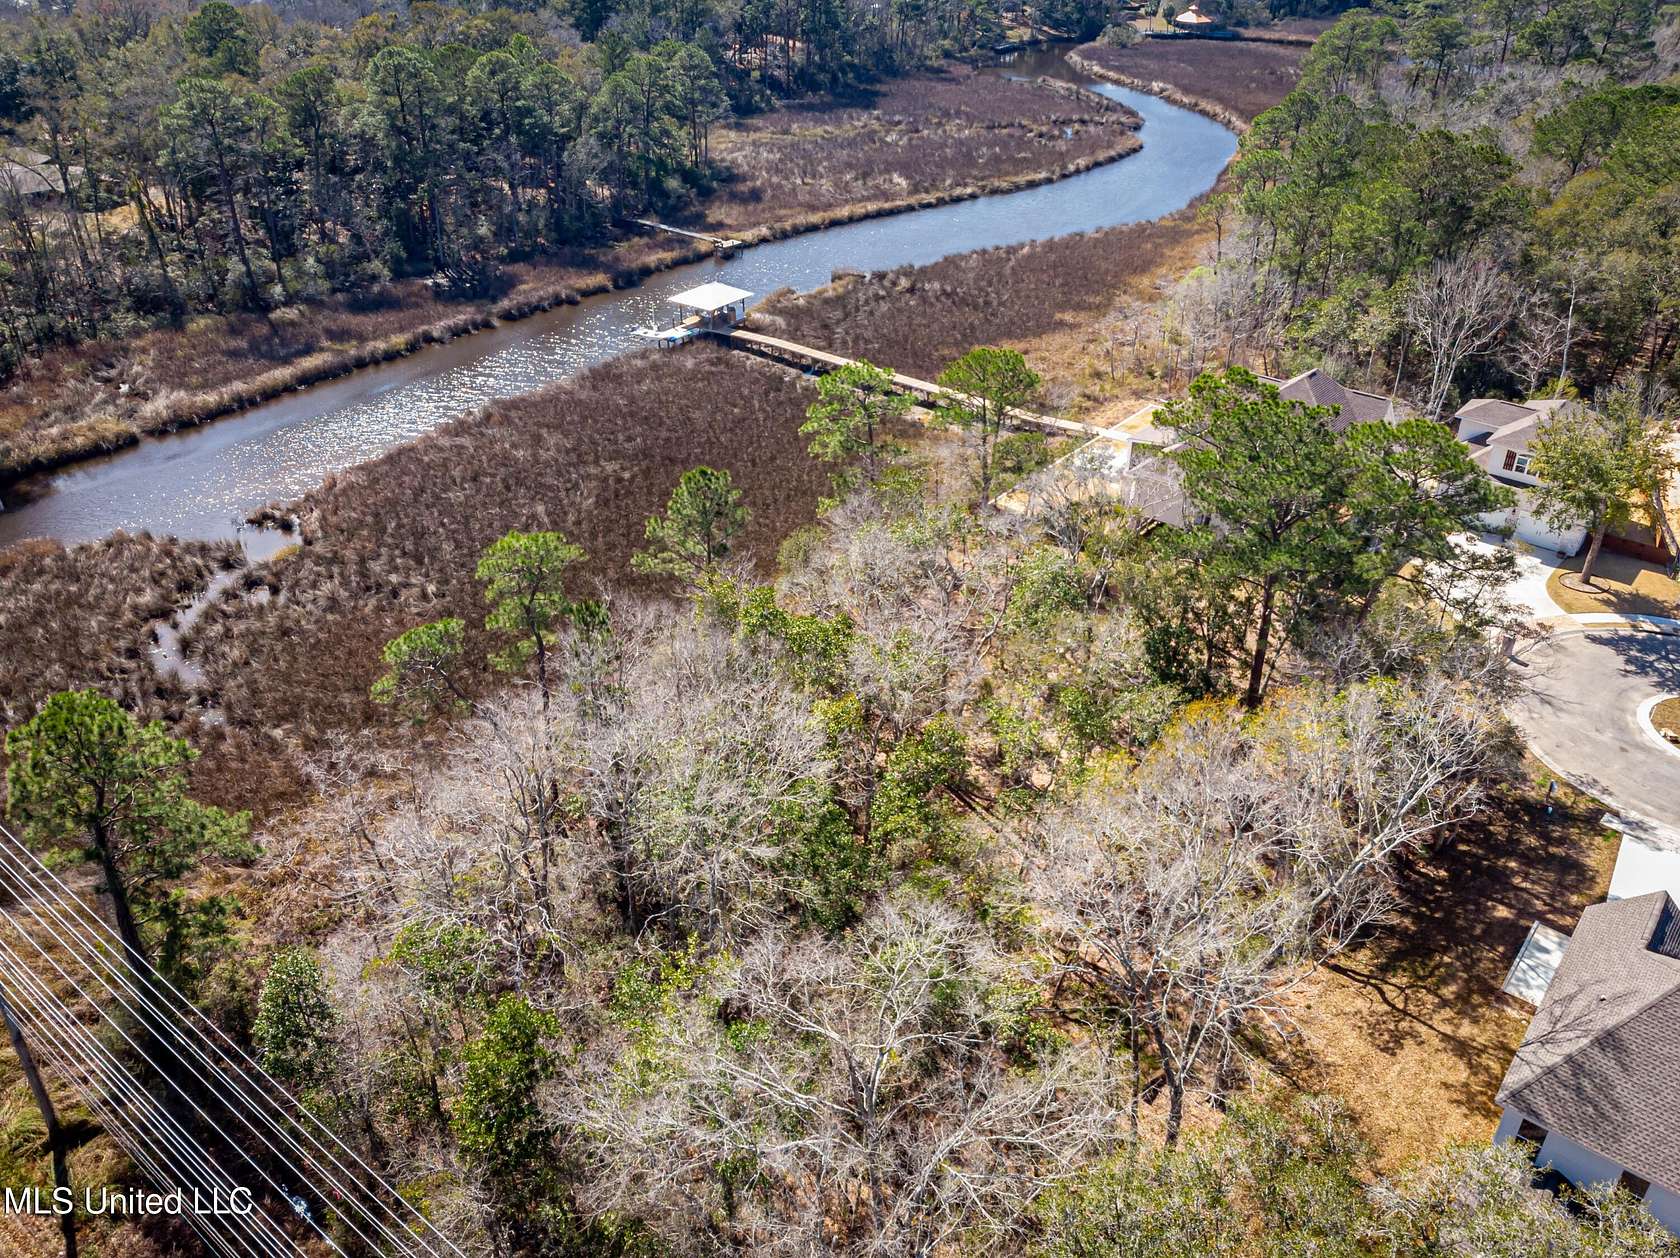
(201,482)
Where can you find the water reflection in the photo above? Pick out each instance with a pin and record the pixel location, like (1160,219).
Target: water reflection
(201,482)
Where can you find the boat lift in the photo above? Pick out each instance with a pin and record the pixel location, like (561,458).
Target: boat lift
(713,307)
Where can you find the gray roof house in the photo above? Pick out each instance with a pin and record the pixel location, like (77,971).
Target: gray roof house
(1125,464)
(1498,434)
(1355,406)
(30,175)
(1595,1084)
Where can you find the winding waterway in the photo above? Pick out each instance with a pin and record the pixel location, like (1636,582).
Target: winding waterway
(201,482)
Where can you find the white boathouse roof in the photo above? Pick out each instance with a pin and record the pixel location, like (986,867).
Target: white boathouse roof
(710,298)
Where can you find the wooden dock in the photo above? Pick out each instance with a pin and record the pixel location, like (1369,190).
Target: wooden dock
(797,355)
(722,244)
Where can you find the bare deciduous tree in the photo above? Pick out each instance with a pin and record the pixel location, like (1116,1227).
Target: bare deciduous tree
(864,1085)
(1457,311)
(1240,858)
(1534,352)
(711,751)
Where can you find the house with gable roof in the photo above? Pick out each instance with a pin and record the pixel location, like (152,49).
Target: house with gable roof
(1315,387)
(1499,435)
(1595,1085)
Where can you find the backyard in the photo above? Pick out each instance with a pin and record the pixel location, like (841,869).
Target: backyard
(1411,1028)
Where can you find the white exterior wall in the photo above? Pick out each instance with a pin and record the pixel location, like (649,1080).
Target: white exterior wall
(1527,527)
(1586,1169)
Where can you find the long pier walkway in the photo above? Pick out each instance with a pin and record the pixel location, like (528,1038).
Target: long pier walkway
(722,244)
(797,355)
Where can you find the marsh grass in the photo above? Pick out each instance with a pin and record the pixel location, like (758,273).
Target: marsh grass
(1231,81)
(917,319)
(394,542)
(921,139)
(82,617)
(97,397)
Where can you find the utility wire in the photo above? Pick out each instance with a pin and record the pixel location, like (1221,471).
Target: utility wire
(173,1132)
(115,978)
(252,1096)
(396,1227)
(105,1085)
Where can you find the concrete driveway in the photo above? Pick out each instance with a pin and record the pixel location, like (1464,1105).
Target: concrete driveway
(1580,717)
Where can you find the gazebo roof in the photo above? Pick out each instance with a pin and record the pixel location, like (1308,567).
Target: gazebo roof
(710,298)
(1195,17)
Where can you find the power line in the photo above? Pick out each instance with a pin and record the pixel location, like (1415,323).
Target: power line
(20,860)
(171,1157)
(251,1096)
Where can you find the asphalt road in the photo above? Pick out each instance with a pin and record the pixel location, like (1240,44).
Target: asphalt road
(1581,717)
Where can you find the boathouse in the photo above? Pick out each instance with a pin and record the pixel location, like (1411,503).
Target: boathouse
(713,307)
(1193,21)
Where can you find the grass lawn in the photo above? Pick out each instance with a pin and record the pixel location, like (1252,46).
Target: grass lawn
(1666,716)
(1411,1028)
(1625,585)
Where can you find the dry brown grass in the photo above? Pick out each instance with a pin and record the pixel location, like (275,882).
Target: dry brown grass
(394,542)
(1626,586)
(1233,81)
(288,651)
(81,617)
(1046,298)
(103,395)
(937,135)
(1666,718)
(1412,1029)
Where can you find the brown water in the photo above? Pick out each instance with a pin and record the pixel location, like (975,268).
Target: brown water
(201,482)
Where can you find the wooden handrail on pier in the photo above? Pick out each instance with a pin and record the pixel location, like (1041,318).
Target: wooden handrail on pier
(797,355)
(721,243)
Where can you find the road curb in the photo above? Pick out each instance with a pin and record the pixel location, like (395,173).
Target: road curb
(1570,625)
(1648,727)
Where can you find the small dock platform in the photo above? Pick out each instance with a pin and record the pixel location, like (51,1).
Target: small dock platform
(796,355)
(722,244)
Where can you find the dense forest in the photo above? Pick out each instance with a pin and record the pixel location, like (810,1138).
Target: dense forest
(168,162)
(1460,200)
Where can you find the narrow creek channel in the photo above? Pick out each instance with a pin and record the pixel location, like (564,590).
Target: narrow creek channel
(202,482)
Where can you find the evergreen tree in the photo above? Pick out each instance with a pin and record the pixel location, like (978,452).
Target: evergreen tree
(84,777)
(699,527)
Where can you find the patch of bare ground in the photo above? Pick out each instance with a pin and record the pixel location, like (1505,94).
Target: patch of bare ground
(1412,1028)
(82,617)
(919,141)
(1233,81)
(394,542)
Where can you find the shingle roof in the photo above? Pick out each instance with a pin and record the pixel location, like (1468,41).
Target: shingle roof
(1514,424)
(27,180)
(1355,406)
(1493,411)
(1601,1059)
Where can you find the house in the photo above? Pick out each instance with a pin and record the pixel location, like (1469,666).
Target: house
(1499,435)
(1125,463)
(1593,1085)
(1353,406)
(31,176)
(1123,466)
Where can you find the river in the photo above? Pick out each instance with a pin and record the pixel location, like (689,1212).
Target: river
(201,482)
